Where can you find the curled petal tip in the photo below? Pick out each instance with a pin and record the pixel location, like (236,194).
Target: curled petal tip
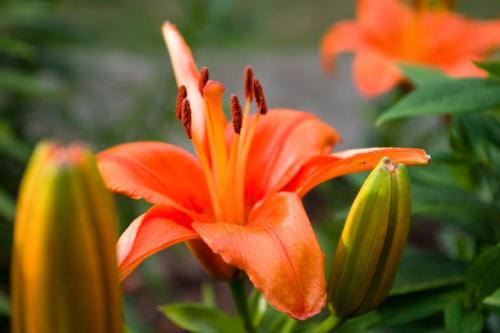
(167,25)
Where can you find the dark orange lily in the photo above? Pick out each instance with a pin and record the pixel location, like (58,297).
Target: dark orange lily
(388,32)
(237,204)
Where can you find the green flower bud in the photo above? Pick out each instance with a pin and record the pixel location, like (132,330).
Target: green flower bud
(372,242)
(64,273)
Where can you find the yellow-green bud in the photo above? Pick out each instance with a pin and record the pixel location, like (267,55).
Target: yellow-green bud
(372,242)
(64,270)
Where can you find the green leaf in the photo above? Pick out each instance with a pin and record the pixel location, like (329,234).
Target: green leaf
(483,276)
(4,305)
(11,146)
(446,96)
(27,84)
(420,75)
(199,318)
(258,306)
(7,206)
(16,48)
(459,320)
(492,67)
(454,206)
(284,324)
(273,321)
(402,309)
(421,271)
(492,303)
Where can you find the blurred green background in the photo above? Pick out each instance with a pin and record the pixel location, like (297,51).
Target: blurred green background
(97,71)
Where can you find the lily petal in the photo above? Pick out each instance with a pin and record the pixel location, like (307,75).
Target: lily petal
(382,19)
(155,230)
(375,74)
(484,36)
(279,252)
(284,140)
(158,172)
(341,37)
(322,168)
(186,73)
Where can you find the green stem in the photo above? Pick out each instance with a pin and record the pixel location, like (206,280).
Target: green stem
(331,324)
(240,301)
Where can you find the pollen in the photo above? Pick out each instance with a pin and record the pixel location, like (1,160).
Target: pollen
(248,79)
(237,113)
(186,117)
(259,97)
(181,95)
(204,77)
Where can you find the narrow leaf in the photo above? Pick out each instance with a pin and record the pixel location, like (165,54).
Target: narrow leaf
(4,305)
(422,271)
(199,318)
(7,206)
(445,97)
(402,309)
(492,67)
(420,75)
(483,276)
(459,320)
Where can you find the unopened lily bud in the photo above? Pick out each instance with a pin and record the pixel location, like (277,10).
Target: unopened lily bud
(372,242)
(64,273)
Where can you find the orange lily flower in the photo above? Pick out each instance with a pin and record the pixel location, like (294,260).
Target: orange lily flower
(237,204)
(388,32)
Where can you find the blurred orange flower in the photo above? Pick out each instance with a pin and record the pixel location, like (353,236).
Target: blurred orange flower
(388,31)
(238,202)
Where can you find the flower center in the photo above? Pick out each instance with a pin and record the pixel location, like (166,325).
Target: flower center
(224,161)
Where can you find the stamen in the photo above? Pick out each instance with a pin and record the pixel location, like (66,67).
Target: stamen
(181,95)
(237,113)
(204,77)
(248,79)
(263,107)
(260,99)
(186,117)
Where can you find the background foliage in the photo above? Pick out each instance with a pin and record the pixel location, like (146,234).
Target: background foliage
(97,71)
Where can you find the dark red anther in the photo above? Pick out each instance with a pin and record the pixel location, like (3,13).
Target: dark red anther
(237,113)
(260,99)
(248,79)
(181,95)
(203,79)
(186,117)
(262,107)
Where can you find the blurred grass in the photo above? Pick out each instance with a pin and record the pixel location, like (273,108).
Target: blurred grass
(218,23)
(223,23)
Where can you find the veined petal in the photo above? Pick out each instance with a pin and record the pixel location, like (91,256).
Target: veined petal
(375,74)
(186,73)
(283,142)
(158,172)
(341,37)
(322,168)
(155,230)
(279,252)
